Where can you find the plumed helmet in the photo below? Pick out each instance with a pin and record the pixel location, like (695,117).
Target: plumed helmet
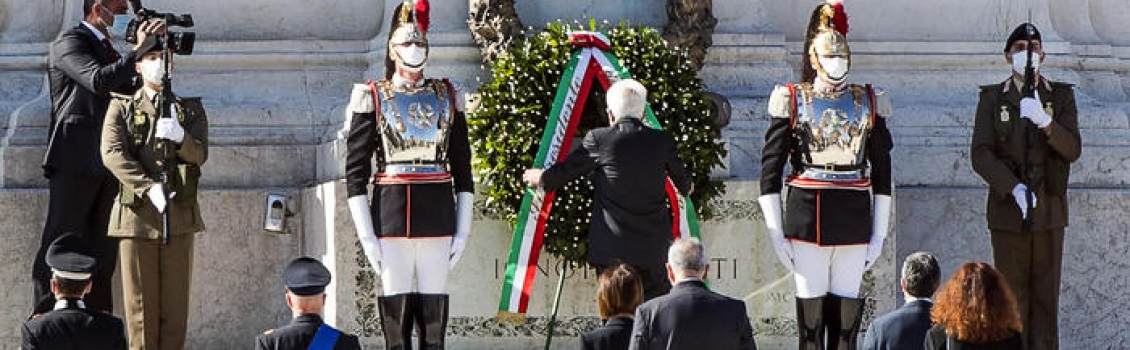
(409,25)
(826,36)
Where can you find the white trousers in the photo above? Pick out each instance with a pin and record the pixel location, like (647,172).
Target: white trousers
(414,265)
(828,269)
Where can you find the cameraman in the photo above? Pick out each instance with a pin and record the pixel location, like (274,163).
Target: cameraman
(83,68)
(137,132)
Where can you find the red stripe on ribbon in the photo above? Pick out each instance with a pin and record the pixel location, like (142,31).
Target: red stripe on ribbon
(588,40)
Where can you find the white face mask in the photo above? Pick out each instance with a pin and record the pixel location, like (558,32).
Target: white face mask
(412,56)
(1020,61)
(836,67)
(152,71)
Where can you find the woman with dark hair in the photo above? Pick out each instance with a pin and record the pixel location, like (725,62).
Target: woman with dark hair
(618,293)
(975,310)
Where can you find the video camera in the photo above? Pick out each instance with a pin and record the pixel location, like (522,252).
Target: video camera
(180,43)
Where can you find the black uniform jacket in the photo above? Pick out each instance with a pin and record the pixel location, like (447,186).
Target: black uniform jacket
(692,317)
(82,75)
(74,328)
(631,221)
(936,339)
(825,216)
(998,152)
(614,335)
(408,210)
(904,328)
(298,334)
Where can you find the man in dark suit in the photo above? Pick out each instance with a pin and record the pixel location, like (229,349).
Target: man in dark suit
(1025,137)
(71,325)
(306,279)
(83,68)
(691,316)
(631,223)
(906,327)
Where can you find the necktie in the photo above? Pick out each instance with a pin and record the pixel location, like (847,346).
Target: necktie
(110,52)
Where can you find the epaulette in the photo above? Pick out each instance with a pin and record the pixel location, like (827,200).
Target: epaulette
(118,96)
(269,331)
(361,100)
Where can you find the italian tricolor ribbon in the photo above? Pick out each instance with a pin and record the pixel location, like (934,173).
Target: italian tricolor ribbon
(590,61)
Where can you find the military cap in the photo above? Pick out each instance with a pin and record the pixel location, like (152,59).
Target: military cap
(70,257)
(306,276)
(1021,33)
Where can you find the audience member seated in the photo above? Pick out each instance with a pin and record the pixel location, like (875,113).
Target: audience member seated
(975,310)
(691,316)
(905,328)
(618,293)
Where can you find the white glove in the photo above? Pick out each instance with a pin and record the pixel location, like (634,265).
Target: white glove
(771,207)
(463,217)
(363,221)
(1030,108)
(880,224)
(169,129)
(1018,193)
(156,195)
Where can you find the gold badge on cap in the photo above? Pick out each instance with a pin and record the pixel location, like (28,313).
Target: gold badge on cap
(1004,113)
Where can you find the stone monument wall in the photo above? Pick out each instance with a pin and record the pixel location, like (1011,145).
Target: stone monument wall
(275,77)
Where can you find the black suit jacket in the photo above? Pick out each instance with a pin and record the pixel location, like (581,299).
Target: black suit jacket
(299,333)
(614,335)
(73,328)
(82,75)
(904,328)
(631,222)
(936,340)
(692,317)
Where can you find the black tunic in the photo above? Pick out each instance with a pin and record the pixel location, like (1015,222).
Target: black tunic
(408,210)
(825,216)
(298,334)
(74,328)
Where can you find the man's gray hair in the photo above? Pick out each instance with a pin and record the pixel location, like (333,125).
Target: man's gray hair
(921,274)
(627,98)
(687,256)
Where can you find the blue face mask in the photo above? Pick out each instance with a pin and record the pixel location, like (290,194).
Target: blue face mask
(118,30)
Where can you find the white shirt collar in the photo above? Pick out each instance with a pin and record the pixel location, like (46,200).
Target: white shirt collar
(913,299)
(398,81)
(149,92)
(62,304)
(97,33)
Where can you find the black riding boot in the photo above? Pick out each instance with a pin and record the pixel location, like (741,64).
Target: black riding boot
(810,323)
(396,320)
(851,319)
(832,320)
(431,321)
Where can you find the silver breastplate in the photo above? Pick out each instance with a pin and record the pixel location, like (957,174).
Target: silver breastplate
(832,130)
(415,124)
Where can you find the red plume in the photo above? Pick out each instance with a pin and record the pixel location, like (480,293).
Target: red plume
(840,19)
(422,17)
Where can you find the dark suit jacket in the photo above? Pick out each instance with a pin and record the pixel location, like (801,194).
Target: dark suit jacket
(997,153)
(936,340)
(614,335)
(631,222)
(299,333)
(82,76)
(74,329)
(904,328)
(692,317)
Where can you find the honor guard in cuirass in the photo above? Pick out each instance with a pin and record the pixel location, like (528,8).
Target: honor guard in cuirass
(415,226)
(1025,137)
(834,137)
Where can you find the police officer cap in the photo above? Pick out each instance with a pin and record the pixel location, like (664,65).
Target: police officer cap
(1021,33)
(306,276)
(70,257)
